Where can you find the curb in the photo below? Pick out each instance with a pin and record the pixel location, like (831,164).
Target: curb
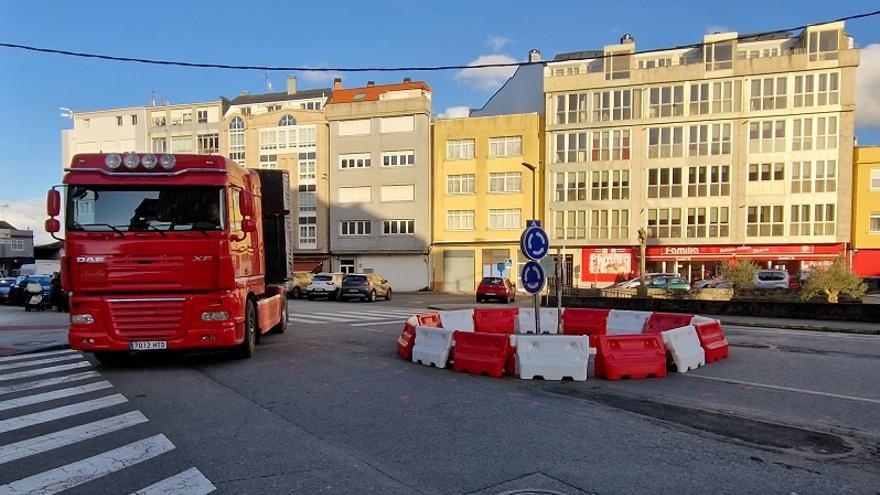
(48,348)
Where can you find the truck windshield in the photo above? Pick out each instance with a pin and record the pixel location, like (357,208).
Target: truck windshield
(140,209)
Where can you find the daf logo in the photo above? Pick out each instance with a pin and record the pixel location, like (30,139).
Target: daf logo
(89,259)
(202,258)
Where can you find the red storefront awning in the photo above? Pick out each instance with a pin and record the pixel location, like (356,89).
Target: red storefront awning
(805,252)
(306,266)
(866,262)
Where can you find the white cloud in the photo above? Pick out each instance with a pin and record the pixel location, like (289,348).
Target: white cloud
(868,87)
(487,78)
(718,29)
(319,76)
(497,43)
(455,113)
(29,214)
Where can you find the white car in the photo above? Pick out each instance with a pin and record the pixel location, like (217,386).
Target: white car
(772,279)
(325,285)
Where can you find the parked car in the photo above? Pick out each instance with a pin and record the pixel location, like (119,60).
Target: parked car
(17,293)
(496,288)
(325,284)
(5,287)
(367,286)
(772,279)
(298,285)
(670,283)
(634,282)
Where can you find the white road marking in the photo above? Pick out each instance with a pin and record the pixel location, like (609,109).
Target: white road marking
(26,420)
(57,439)
(785,389)
(33,355)
(801,333)
(311,316)
(77,473)
(44,371)
(55,394)
(347,316)
(27,364)
(48,382)
(189,482)
(392,322)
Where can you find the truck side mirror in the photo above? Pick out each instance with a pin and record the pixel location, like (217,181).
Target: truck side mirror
(248,225)
(53,226)
(245,203)
(53,203)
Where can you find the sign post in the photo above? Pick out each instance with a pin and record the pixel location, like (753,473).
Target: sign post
(534,244)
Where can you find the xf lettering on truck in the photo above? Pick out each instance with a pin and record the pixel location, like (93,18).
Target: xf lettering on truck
(202,258)
(90,259)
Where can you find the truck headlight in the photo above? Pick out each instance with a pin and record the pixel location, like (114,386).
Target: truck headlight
(215,315)
(82,319)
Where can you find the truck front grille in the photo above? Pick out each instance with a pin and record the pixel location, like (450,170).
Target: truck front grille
(147,318)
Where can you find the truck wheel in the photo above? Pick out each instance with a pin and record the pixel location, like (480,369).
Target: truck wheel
(111,358)
(281,327)
(248,346)
(388,295)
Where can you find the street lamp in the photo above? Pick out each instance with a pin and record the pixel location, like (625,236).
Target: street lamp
(534,170)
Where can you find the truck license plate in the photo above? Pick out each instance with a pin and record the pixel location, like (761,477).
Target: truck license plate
(148,345)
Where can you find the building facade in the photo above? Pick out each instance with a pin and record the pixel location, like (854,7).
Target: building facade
(288,130)
(484,190)
(866,211)
(380,169)
(739,148)
(185,127)
(105,131)
(16,248)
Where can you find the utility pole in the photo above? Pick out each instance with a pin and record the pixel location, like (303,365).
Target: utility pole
(643,240)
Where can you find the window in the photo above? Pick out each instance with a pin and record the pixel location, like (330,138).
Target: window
(134,119)
(236,139)
(765,221)
(356,160)
(817,89)
(181,144)
(823,45)
(119,120)
(666,101)
(354,127)
(722,96)
(617,65)
(209,143)
(17,245)
(397,124)
(699,99)
(707,181)
(665,142)
(766,172)
(571,147)
(664,223)
(610,145)
(874,223)
(460,149)
(269,162)
(187,117)
(346,266)
(307,167)
(767,136)
(713,221)
(398,158)
(246,111)
(160,145)
(570,224)
(308,232)
(351,228)
(802,135)
(202,116)
(875,179)
(809,177)
(307,198)
(460,220)
(826,133)
(571,108)
(505,219)
(398,193)
(310,105)
(829,89)
(768,93)
(505,182)
(701,135)
(609,224)
(822,219)
(657,62)
(664,183)
(614,105)
(505,146)
(719,55)
(287,120)
(398,227)
(460,184)
(609,184)
(157,119)
(355,194)
(571,186)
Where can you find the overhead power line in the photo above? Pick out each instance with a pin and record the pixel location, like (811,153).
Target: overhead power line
(200,65)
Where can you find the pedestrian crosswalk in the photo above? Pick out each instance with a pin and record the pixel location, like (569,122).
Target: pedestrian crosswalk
(63,427)
(352,317)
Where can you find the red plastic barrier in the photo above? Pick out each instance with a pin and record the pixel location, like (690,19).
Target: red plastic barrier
(585,321)
(481,353)
(713,341)
(660,322)
(632,356)
(429,320)
(510,364)
(407,339)
(495,320)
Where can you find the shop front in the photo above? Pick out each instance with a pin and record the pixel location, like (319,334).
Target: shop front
(604,266)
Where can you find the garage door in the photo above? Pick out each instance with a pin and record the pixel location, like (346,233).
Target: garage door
(458,271)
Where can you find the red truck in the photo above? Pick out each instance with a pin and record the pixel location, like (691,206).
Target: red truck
(172,251)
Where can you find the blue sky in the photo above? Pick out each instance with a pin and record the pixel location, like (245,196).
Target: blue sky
(377,33)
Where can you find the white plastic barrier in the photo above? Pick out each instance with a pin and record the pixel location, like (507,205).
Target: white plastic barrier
(684,346)
(460,319)
(553,357)
(525,322)
(624,322)
(432,346)
(697,319)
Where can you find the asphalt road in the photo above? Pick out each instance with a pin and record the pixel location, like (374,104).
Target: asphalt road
(329,407)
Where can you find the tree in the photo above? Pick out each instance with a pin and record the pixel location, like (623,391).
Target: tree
(741,275)
(832,280)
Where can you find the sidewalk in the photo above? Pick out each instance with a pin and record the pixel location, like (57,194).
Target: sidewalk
(22,331)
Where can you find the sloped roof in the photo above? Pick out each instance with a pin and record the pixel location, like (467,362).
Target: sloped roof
(6,225)
(580,55)
(745,38)
(305,94)
(372,93)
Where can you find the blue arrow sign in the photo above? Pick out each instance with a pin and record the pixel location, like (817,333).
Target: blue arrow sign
(534,243)
(533,277)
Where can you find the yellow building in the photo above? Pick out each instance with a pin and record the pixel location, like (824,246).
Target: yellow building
(484,191)
(866,211)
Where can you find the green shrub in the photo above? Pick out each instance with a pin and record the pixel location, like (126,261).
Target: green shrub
(741,275)
(832,280)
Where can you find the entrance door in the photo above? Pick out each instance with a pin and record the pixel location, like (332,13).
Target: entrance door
(458,271)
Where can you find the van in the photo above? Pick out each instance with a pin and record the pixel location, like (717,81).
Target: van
(772,279)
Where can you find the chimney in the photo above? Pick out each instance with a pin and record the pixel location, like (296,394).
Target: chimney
(370,84)
(245,93)
(337,84)
(291,85)
(407,79)
(534,55)
(627,39)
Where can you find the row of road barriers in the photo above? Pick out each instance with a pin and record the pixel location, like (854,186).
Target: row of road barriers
(503,341)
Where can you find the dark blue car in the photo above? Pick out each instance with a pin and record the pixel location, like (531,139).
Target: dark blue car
(17,293)
(5,287)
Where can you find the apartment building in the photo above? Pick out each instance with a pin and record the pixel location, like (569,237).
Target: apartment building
(185,127)
(866,211)
(740,148)
(16,248)
(488,180)
(380,168)
(105,131)
(288,130)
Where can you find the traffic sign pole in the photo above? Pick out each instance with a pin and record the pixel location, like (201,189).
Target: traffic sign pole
(534,244)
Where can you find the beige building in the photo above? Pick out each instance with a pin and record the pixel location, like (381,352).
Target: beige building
(185,127)
(105,131)
(380,168)
(740,148)
(288,130)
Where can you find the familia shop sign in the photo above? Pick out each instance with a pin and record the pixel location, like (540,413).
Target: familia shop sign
(793,250)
